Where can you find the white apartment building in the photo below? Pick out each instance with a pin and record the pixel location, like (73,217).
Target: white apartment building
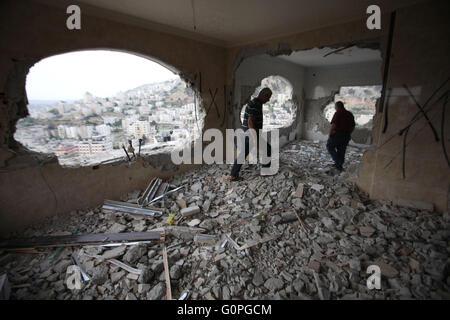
(128,121)
(141,128)
(62,131)
(89,147)
(85,132)
(110,119)
(144,110)
(103,129)
(86,111)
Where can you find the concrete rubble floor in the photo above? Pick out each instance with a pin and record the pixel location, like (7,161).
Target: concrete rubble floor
(347,233)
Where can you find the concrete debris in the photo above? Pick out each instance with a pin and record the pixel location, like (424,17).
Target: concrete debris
(194,222)
(186,212)
(268,253)
(114,253)
(299,192)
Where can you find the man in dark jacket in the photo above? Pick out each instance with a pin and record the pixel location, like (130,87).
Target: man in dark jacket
(342,125)
(253,119)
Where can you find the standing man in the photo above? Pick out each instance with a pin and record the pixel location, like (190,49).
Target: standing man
(342,125)
(253,119)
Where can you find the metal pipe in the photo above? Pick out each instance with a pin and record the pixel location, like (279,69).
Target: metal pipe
(130,208)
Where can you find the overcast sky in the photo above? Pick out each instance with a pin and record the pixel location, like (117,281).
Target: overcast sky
(102,73)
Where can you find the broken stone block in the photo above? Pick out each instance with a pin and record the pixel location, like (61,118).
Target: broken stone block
(143,287)
(196,187)
(181,203)
(134,254)
(100,274)
(366,231)
(116,276)
(274,284)
(351,230)
(62,265)
(176,272)
(314,265)
(157,292)
(190,211)
(130,296)
(414,264)
(146,276)
(327,222)
(114,253)
(355,264)
(317,187)
(386,270)
(194,222)
(299,191)
(117,228)
(258,278)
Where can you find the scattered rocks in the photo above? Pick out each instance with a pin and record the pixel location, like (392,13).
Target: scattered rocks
(117,228)
(157,292)
(194,222)
(134,254)
(114,253)
(274,284)
(100,274)
(346,232)
(258,278)
(366,231)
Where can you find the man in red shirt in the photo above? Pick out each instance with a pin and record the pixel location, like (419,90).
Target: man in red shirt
(342,125)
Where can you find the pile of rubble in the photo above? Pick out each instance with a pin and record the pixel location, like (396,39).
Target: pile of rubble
(305,233)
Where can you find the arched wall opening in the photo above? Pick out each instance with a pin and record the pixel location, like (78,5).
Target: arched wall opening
(150,114)
(280,111)
(361,101)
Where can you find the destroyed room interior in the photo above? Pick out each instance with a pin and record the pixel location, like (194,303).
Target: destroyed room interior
(140,226)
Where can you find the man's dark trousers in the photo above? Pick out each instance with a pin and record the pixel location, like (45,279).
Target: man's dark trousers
(236,166)
(336,146)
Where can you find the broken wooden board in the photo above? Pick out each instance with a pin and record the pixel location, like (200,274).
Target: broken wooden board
(167,274)
(252,243)
(301,221)
(82,239)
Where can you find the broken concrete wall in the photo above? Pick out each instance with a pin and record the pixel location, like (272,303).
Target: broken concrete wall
(321,85)
(248,77)
(31,184)
(419,60)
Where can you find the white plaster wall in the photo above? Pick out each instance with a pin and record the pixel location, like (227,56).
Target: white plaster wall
(320,82)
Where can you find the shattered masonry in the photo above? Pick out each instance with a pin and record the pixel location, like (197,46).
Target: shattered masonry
(320,250)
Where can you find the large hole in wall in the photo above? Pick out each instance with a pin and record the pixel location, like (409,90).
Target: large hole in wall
(279,112)
(360,100)
(85,106)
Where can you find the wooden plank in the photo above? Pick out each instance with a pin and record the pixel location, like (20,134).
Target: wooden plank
(82,239)
(301,221)
(167,274)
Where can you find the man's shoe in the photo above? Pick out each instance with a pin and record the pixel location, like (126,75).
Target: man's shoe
(235,178)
